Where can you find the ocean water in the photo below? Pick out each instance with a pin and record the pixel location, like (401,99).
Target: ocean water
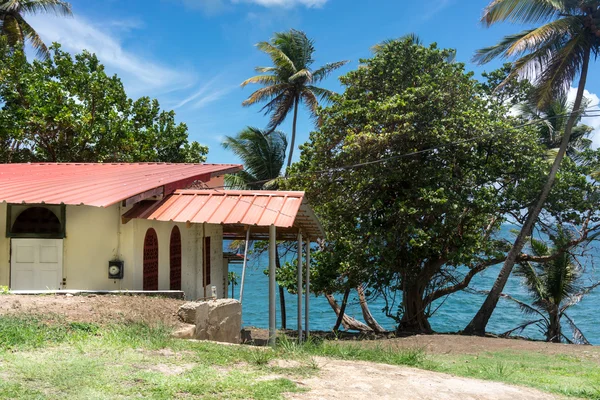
(453,315)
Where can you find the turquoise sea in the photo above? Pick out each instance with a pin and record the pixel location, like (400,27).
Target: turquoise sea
(453,315)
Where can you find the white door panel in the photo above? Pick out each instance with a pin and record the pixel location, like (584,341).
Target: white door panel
(36,264)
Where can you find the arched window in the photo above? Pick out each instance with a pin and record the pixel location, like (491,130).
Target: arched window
(151,260)
(175,259)
(37,221)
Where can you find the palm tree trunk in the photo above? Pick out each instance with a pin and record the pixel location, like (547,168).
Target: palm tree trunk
(292,144)
(479,322)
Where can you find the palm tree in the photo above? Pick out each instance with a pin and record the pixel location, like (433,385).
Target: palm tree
(553,120)
(555,287)
(17,31)
(552,55)
(263,155)
(290,81)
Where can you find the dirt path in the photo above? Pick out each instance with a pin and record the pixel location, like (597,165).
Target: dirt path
(351,380)
(100,309)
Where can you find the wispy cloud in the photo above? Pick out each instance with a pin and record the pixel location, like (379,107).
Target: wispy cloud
(216,6)
(592,108)
(207,93)
(140,74)
(435,7)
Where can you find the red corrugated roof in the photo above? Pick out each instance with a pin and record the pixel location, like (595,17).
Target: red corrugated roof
(99,185)
(287,210)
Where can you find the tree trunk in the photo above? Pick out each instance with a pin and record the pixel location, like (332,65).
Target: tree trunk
(349,323)
(414,319)
(292,144)
(554,332)
(479,322)
(281,294)
(368,317)
(342,311)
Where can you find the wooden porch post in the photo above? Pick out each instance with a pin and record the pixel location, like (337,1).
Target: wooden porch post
(307,296)
(300,286)
(272,283)
(244,265)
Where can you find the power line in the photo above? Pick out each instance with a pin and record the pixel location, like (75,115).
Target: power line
(596,113)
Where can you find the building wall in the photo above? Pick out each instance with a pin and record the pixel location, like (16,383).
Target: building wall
(4,249)
(95,236)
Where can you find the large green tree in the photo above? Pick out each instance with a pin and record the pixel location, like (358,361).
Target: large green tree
(67,108)
(290,81)
(17,30)
(553,55)
(412,173)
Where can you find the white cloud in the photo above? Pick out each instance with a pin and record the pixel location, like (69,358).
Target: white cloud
(215,6)
(207,93)
(593,108)
(140,74)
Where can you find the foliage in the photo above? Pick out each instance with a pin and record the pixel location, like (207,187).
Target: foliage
(290,81)
(67,109)
(555,286)
(263,155)
(412,171)
(15,28)
(552,55)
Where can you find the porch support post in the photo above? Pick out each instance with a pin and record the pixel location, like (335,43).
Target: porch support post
(300,286)
(244,265)
(272,283)
(307,296)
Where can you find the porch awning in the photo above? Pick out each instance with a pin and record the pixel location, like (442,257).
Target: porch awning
(236,210)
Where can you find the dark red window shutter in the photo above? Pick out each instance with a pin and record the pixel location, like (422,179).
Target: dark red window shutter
(206,261)
(175,260)
(151,260)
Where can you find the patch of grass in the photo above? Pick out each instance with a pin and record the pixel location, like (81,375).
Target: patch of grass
(561,374)
(52,359)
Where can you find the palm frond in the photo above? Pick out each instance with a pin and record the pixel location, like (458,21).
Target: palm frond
(526,308)
(280,109)
(303,75)
(324,95)
(411,37)
(33,38)
(262,80)
(578,336)
(522,11)
(279,58)
(521,327)
(57,7)
(265,94)
(326,70)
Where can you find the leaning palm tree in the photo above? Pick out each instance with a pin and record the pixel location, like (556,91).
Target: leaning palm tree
(555,286)
(553,120)
(18,31)
(552,56)
(290,81)
(263,155)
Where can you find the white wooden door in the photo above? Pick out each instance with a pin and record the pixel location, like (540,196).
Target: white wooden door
(36,264)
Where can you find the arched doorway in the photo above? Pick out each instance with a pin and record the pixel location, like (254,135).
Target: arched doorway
(151,260)
(175,259)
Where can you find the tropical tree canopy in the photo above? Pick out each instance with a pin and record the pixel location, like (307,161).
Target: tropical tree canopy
(290,81)
(263,155)
(67,109)
(17,30)
(429,189)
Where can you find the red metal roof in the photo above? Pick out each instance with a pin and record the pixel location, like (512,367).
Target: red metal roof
(99,185)
(287,210)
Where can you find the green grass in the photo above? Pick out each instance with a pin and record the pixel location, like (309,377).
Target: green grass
(46,358)
(561,374)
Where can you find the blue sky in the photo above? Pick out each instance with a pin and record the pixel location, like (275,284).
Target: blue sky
(193,54)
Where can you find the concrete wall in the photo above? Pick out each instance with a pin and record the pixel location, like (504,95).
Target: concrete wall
(95,236)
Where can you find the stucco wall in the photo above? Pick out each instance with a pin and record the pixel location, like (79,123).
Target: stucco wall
(94,236)
(4,248)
